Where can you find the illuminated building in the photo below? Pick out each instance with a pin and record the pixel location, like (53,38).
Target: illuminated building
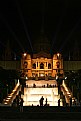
(41,65)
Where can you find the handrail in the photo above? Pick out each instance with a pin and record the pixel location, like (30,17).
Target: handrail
(12,95)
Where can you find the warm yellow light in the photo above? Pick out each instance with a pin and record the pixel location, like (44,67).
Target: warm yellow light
(58,54)
(5,103)
(24,54)
(18,82)
(26,77)
(7,100)
(9,96)
(41,75)
(12,93)
(33,95)
(68,93)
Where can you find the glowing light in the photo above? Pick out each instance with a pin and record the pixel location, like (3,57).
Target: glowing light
(5,103)
(8,98)
(68,93)
(65,77)
(14,90)
(26,77)
(18,81)
(41,75)
(12,93)
(58,54)
(33,95)
(56,77)
(25,54)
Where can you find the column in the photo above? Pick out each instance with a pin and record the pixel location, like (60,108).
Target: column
(38,68)
(36,64)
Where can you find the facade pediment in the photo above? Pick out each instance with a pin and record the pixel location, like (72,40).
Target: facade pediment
(41,54)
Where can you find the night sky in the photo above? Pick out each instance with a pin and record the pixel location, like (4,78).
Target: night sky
(21,22)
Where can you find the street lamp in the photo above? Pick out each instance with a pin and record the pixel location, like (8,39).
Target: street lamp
(58,54)
(25,54)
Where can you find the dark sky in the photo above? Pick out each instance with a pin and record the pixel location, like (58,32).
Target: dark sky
(21,21)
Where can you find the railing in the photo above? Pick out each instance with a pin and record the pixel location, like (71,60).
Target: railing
(66,91)
(11,96)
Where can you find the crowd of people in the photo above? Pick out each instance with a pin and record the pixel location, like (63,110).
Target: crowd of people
(42,100)
(45,86)
(18,102)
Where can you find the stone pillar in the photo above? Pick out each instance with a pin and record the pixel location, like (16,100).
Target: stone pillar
(38,68)
(36,64)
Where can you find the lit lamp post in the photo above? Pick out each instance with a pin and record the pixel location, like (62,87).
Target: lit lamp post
(58,55)
(58,65)
(24,55)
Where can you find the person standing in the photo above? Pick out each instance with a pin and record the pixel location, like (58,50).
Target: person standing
(46,102)
(41,101)
(21,105)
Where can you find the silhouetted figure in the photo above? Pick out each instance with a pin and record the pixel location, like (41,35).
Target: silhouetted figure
(59,102)
(26,86)
(44,86)
(34,85)
(21,105)
(20,94)
(53,85)
(47,85)
(14,104)
(17,100)
(46,102)
(41,101)
(70,101)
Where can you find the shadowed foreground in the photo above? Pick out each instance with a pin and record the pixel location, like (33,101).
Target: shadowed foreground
(41,113)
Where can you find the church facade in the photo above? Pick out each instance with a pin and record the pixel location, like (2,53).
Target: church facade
(41,65)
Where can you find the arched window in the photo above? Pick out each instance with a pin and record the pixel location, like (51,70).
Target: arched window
(34,66)
(25,64)
(49,66)
(41,66)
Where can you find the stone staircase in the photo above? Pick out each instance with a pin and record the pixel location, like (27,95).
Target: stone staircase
(33,95)
(66,92)
(12,95)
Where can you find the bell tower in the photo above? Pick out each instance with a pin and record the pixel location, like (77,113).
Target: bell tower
(26,65)
(57,64)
